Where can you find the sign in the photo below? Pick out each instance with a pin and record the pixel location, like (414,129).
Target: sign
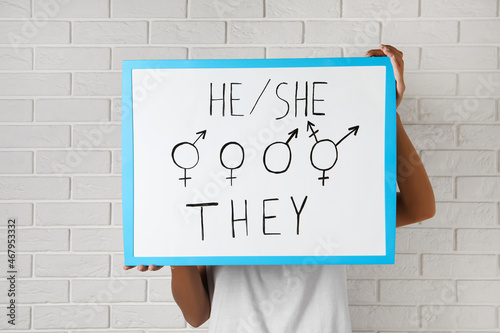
(270,161)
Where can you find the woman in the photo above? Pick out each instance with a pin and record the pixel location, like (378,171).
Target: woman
(294,298)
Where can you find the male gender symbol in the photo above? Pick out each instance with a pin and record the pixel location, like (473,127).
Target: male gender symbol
(279,149)
(230,163)
(324,153)
(186,156)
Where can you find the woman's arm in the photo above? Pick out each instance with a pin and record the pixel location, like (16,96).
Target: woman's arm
(415,200)
(190,291)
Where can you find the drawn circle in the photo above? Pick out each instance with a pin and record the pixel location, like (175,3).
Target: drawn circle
(185,155)
(281,157)
(233,152)
(324,155)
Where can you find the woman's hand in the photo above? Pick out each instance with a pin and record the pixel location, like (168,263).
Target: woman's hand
(143,268)
(398,66)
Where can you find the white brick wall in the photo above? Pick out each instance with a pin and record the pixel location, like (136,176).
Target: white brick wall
(60,71)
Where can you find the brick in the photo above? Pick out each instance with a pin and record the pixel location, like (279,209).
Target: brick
(227,53)
(72,58)
(227,8)
(73,110)
(462,214)
(71,8)
(265,32)
(117,218)
(35,84)
(106,32)
(129,53)
(23,265)
(97,239)
(97,188)
(67,214)
(301,9)
(160,290)
(102,136)
(443,110)
(16,58)
(117,162)
(453,8)
(16,162)
(416,292)
(118,270)
(384,10)
(479,84)
(478,291)
(150,8)
(41,188)
(188,32)
(459,57)
(479,136)
(17,33)
(431,136)
(37,239)
(141,316)
(34,136)
(430,84)
(23,319)
(405,265)
(443,188)
(362,291)
(408,110)
(97,84)
(459,265)
(420,239)
(71,316)
(303,52)
(16,110)
(484,240)
(420,32)
(73,162)
(116,110)
(22,212)
(336,32)
(71,265)
(15,8)
(381,316)
(479,31)
(108,290)
(468,162)
(41,291)
(458,316)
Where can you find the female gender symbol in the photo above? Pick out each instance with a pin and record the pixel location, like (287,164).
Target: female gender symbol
(186,156)
(231,164)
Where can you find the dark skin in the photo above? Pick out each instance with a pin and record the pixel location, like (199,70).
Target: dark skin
(414,203)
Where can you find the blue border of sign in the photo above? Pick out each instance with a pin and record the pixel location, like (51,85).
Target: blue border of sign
(128,162)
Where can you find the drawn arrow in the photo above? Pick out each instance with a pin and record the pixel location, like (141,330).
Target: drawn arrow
(310,126)
(353,129)
(293,134)
(201,135)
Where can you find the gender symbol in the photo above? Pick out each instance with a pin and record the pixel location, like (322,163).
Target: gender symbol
(282,154)
(186,156)
(232,148)
(324,153)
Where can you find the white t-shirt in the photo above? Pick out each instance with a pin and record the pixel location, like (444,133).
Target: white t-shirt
(278,298)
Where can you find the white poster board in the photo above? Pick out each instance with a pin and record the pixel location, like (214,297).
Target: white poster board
(275,161)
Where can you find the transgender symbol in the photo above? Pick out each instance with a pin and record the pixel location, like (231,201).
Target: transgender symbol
(279,149)
(186,156)
(233,152)
(324,153)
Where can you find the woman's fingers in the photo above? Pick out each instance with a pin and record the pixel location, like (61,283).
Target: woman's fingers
(144,268)
(127,267)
